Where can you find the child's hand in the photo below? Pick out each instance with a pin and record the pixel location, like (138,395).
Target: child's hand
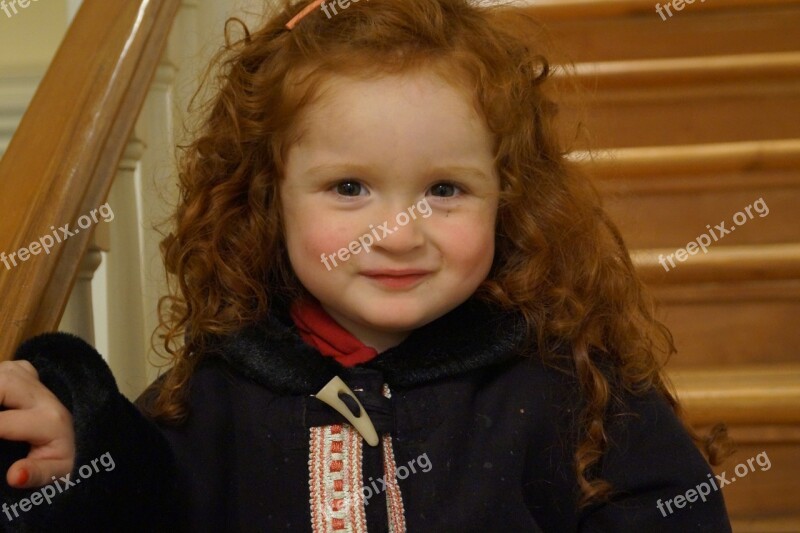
(33,414)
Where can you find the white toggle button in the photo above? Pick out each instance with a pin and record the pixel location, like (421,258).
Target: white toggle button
(330,395)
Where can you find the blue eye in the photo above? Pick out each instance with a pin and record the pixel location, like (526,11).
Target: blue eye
(349,188)
(444,189)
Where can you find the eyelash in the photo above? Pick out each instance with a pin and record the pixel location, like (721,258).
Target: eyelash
(336,185)
(458,188)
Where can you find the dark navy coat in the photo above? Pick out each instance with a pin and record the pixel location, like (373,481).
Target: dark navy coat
(474,437)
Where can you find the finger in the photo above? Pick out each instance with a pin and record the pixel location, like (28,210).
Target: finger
(21,366)
(28,368)
(19,389)
(31,473)
(25,426)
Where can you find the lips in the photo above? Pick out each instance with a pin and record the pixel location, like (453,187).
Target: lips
(397,278)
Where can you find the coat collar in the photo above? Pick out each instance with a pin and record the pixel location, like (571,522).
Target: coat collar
(473,335)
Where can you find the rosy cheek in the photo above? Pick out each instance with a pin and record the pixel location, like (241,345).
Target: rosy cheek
(469,243)
(321,238)
(481,252)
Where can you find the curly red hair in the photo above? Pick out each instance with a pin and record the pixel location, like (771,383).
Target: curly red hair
(559,261)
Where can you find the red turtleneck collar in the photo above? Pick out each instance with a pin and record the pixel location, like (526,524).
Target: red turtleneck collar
(318,329)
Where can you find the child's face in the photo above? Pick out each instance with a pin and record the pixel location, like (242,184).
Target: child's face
(390,200)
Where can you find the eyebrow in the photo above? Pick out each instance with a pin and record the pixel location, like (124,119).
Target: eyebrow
(346,168)
(338,168)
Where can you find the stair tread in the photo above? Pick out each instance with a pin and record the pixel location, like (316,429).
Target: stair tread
(751,395)
(578,9)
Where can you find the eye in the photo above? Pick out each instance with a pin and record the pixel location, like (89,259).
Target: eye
(444,190)
(349,188)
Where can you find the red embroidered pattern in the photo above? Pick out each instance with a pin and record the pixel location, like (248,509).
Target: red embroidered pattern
(394,498)
(334,466)
(336,477)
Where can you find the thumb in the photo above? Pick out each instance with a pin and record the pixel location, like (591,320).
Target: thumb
(30,473)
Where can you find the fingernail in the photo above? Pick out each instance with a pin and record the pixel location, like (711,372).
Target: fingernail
(23,476)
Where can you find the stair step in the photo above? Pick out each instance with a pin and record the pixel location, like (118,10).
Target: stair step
(734,305)
(721,264)
(764,500)
(574,9)
(728,324)
(665,197)
(687,71)
(693,160)
(761,407)
(687,100)
(779,524)
(747,395)
(593,30)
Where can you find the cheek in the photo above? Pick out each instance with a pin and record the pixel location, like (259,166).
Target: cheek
(309,237)
(470,247)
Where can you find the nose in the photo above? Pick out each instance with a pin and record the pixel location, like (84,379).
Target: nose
(400,234)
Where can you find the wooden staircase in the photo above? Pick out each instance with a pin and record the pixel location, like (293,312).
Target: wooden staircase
(690,120)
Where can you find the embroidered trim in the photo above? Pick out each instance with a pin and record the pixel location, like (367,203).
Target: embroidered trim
(394,498)
(336,477)
(334,466)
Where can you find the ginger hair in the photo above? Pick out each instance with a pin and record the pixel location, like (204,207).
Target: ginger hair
(559,260)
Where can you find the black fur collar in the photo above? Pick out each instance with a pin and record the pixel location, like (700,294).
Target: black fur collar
(471,336)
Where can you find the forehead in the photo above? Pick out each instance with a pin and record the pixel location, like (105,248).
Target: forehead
(419,108)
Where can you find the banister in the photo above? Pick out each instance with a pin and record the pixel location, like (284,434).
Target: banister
(61,162)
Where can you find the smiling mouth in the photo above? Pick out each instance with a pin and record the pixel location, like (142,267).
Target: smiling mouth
(397,279)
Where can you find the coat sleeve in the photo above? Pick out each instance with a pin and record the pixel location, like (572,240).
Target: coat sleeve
(124,475)
(651,460)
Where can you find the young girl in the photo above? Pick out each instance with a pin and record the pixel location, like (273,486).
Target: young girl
(402,310)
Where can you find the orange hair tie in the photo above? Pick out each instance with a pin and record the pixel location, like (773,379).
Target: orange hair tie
(306,10)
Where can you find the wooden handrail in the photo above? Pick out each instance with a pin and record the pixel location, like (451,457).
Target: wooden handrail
(61,162)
